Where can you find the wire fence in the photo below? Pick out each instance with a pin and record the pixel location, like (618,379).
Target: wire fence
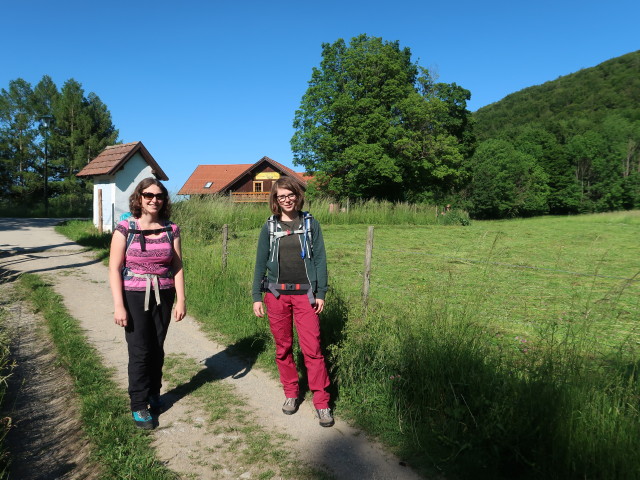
(634,278)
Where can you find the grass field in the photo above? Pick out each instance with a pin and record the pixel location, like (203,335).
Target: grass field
(504,349)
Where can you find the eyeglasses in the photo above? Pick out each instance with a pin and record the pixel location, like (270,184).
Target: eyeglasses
(149,196)
(284,198)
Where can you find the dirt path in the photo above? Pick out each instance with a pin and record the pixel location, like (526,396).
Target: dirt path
(34,246)
(55,447)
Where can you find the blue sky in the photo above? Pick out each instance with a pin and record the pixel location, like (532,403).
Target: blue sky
(211,82)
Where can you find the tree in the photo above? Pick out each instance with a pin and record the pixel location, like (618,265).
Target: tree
(17,136)
(374,124)
(583,130)
(82,127)
(564,194)
(506,182)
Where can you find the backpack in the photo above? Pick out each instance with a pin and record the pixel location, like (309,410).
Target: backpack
(307,241)
(151,279)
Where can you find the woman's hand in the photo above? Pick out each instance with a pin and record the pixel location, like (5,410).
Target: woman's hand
(120,316)
(180,311)
(319,306)
(258,309)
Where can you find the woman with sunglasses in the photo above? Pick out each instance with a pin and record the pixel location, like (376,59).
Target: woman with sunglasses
(146,277)
(291,253)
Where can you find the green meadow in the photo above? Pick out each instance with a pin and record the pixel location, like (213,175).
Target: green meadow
(494,349)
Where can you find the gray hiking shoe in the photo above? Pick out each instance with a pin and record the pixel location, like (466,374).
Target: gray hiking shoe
(290,406)
(325,417)
(143,419)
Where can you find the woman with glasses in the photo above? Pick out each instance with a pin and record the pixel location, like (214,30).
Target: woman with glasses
(146,277)
(291,254)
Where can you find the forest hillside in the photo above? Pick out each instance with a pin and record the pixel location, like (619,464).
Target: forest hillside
(570,145)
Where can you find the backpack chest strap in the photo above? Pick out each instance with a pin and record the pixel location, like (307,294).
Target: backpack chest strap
(285,233)
(142,233)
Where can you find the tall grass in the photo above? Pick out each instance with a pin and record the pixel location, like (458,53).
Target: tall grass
(451,395)
(204,217)
(436,366)
(500,350)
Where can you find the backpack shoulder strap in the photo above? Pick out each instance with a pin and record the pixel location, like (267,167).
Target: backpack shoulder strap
(169,225)
(308,239)
(131,233)
(271,224)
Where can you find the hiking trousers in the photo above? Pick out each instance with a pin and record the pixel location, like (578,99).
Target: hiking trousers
(283,312)
(145,334)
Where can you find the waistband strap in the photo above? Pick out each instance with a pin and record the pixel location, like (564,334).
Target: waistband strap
(151,279)
(274,287)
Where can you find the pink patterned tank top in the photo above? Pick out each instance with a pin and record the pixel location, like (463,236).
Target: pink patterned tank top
(155,259)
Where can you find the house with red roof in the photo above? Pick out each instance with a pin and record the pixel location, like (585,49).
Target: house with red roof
(116,171)
(242,182)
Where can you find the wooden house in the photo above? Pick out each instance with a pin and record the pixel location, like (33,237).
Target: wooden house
(116,172)
(243,182)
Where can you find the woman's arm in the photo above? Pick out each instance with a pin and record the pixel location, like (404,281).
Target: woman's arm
(320,261)
(178,278)
(262,256)
(116,262)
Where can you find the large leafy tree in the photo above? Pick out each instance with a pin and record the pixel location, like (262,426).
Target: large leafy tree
(374,124)
(506,182)
(564,191)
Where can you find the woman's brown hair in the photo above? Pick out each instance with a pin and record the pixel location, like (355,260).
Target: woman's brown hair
(286,183)
(135,200)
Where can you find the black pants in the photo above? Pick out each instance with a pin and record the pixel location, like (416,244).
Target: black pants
(145,334)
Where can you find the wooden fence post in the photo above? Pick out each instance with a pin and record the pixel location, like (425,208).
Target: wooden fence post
(100,210)
(367,267)
(225,238)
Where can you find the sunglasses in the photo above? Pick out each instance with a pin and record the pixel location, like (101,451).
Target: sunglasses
(149,195)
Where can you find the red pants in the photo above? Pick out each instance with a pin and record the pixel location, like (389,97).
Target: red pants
(282,312)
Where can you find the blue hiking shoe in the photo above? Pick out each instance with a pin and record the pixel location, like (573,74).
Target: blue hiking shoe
(156,405)
(143,419)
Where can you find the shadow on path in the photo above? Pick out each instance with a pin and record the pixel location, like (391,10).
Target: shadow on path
(10,273)
(225,364)
(27,223)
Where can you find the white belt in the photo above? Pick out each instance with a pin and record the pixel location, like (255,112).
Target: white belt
(151,279)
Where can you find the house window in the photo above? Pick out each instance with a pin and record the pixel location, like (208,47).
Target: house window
(208,184)
(257,187)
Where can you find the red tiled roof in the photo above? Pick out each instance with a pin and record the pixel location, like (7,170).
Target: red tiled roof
(112,158)
(223,177)
(218,175)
